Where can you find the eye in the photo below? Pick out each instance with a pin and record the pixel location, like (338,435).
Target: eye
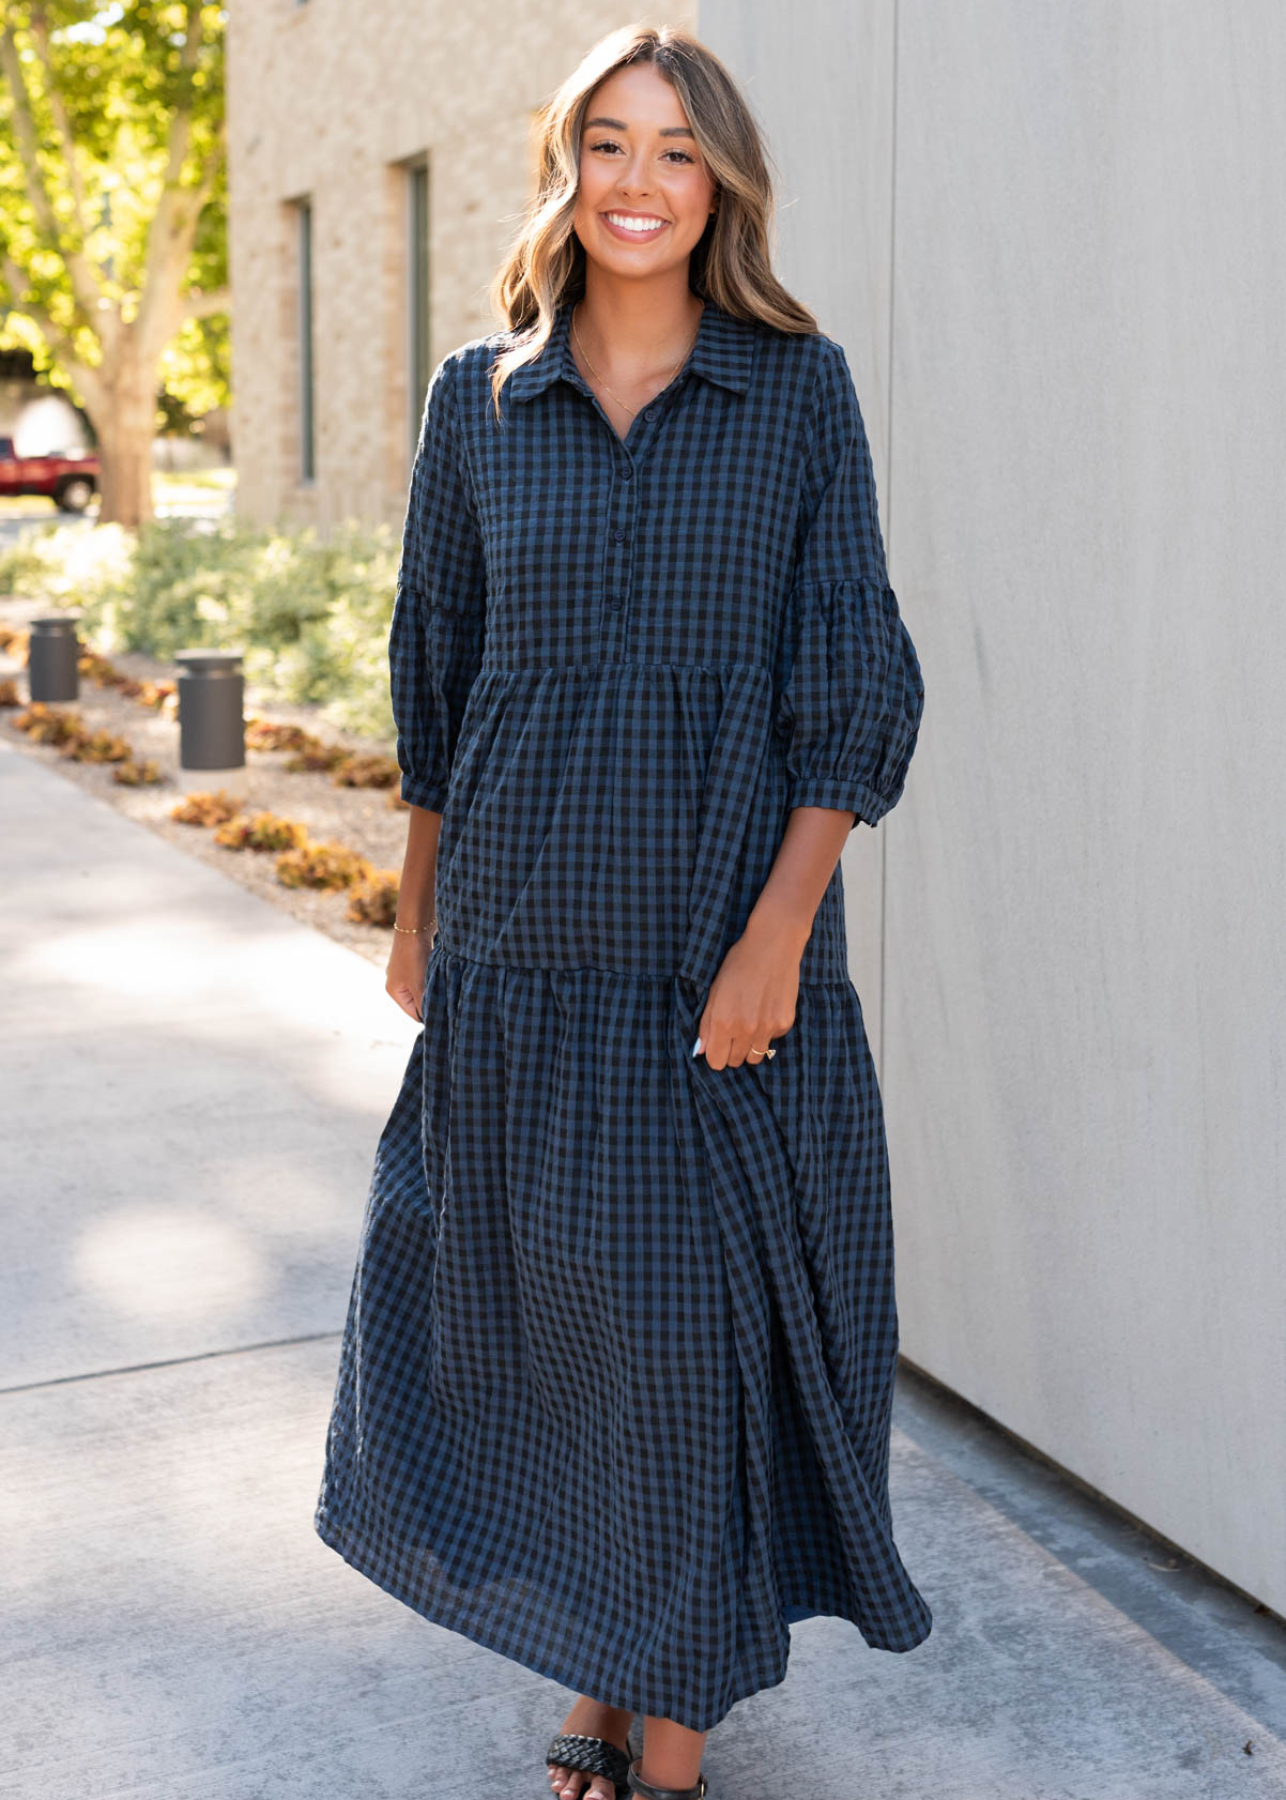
(611,144)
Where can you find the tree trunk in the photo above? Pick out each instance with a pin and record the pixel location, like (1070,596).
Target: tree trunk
(125,420)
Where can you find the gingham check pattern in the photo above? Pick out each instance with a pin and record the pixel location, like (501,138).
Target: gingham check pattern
(614,1393)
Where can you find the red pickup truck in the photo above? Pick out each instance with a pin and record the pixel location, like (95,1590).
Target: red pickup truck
(69,478)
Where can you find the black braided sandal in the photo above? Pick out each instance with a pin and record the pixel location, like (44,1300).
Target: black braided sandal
(595,1756)
(637,1785)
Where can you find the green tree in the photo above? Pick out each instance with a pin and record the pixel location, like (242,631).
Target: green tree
(112,212)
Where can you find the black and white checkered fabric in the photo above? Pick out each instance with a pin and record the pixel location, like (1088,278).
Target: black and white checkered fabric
(615,1387)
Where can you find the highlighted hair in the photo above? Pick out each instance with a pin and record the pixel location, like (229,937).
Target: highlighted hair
(731,264)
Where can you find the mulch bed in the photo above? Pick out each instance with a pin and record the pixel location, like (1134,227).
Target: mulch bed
(362,819)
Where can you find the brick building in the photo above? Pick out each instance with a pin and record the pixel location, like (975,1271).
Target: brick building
(376,176)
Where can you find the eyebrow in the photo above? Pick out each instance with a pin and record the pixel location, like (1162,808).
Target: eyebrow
(620,125)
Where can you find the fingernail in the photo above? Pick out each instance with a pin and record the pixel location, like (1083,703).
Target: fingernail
(696,1047)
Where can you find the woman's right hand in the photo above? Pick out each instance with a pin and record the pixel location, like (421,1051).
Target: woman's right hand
(408,965)
(408,962)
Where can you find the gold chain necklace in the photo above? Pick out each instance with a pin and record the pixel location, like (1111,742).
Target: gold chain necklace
(634,410)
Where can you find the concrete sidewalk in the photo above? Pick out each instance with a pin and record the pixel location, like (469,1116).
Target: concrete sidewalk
(193,1087)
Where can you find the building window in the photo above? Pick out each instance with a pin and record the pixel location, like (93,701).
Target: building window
(419,349)
(304,253)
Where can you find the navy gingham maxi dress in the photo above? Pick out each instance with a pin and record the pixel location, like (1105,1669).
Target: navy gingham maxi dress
(615,1385)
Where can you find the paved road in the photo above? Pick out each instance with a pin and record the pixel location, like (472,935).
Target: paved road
(14,520)
(192,1086)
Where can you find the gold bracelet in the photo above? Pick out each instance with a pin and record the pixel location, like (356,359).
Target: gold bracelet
(413,930)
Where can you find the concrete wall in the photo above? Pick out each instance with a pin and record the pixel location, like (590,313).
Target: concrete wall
(1051,239)
(328,101)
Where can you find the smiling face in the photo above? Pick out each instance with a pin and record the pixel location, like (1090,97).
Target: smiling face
(645,193)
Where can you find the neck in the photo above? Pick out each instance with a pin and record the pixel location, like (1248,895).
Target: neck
(634,325)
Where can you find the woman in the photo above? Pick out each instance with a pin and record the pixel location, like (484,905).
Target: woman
(615,1386)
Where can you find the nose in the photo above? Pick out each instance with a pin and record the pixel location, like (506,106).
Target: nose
(633,178)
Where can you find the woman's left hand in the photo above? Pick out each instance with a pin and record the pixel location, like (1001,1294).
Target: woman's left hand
(752,999)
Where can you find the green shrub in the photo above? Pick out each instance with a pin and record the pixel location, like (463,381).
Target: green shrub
(310,615)
(63,563)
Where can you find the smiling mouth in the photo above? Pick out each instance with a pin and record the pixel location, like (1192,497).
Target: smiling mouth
(627,225)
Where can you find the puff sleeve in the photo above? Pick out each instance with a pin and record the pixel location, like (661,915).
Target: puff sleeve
(850,708)
(436,636)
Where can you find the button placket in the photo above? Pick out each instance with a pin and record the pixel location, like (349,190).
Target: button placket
(620,521)
(621,515)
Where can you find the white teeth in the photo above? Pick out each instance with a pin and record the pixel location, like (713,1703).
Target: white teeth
(629,224)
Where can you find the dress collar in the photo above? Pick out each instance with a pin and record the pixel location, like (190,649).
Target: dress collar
(722,353)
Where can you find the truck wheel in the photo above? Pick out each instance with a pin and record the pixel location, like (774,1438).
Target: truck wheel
(74,495)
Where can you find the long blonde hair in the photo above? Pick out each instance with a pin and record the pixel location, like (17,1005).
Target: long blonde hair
(730,265)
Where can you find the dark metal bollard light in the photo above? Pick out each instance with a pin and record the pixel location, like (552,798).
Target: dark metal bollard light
(52,651)
(212,727)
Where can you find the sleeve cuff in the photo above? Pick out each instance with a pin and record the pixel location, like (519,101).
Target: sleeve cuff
(431,795)
(843,796)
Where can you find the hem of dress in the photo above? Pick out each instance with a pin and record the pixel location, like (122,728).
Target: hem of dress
(800,1613)
(353,1548)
